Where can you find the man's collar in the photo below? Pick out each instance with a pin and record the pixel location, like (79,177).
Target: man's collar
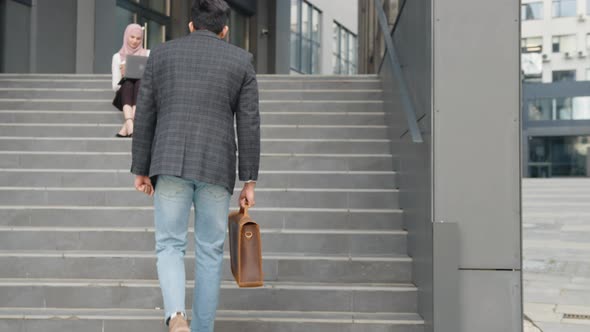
(204,32)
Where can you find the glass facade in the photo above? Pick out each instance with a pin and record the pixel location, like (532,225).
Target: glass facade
(564,108)
(344,51)
(239,30)
(563,44)
(532,11)
(532,44)
(153,15)
(563,75)
(305,37)
(558,156)
(564,8)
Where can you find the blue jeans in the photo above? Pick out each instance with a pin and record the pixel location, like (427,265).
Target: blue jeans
(172,203)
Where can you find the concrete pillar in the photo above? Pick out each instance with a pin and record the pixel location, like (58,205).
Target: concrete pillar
(106,40)
(15,33)
(53,36)
(85,37)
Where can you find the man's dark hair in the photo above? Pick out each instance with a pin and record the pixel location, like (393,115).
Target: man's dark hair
(210,15)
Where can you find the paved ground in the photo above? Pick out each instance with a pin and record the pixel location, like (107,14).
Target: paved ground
(556,249)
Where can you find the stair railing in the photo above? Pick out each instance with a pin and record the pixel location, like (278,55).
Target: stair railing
(397,73)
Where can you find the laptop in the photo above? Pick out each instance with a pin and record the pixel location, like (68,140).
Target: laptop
(135,66)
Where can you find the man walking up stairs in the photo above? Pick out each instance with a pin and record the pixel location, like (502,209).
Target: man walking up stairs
(77,243)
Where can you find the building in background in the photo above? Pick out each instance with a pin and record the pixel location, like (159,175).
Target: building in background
(324,37)
(556,87)
(80,36)
(559,31)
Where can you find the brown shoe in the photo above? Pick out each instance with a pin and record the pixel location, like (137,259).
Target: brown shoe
(179,324)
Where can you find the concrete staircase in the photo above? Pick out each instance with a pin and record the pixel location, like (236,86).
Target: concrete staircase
(77,243)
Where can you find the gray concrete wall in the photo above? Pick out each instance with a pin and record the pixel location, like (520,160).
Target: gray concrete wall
(15,34)
(282,37)
(476,154)
(412,39)
(106,40)
(54,36)
(85,37)
(466,174)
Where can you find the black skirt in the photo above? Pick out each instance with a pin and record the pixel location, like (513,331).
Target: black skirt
(118,100)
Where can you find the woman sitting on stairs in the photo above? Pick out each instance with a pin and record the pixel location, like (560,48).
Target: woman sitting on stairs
(127,89)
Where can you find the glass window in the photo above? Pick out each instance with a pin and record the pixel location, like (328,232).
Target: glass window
(563,75)
(305,37)
(564,108)
(240,29)
(152,15)
(123,18)
(564,8)
(540,109)
(564,44)
(532,44)
(581,108)
(558,156)
(344,51)
(295,35)
(532,11)
(160,6)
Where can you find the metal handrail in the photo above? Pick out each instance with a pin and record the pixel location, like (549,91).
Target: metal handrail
(396,70)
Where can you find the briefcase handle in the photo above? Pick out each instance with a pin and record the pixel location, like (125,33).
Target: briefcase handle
(244,210)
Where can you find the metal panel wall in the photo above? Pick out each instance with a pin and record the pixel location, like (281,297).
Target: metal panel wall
(412,39)
(476,156)
(477,128)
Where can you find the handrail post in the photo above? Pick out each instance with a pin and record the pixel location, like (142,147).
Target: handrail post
(398,74)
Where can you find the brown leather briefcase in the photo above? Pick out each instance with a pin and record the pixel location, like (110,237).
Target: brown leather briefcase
(245,247)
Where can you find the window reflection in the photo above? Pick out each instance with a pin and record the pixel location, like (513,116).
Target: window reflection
(564,8)
(344,51)
(565,108)
(532,11)
(558,156)
(305,37)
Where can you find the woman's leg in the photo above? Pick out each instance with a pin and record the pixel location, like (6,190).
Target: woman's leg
(135,94)
(127,98)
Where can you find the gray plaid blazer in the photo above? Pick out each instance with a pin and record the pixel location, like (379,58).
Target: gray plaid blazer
(190,92)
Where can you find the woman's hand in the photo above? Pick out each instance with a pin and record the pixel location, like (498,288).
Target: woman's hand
(122,68)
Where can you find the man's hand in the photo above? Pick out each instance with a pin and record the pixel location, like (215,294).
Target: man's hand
(144,184)
(247,195)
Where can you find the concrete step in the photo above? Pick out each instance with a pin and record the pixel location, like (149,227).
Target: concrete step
(271,77)
(150,320)
(265,84)
(142,265)
(267,131)
(316,242)
(75,94)
(146,294)
(281,106)
(267,197)
(114,144)
(268,162)
(290,219)
(123,178)
(267,118)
